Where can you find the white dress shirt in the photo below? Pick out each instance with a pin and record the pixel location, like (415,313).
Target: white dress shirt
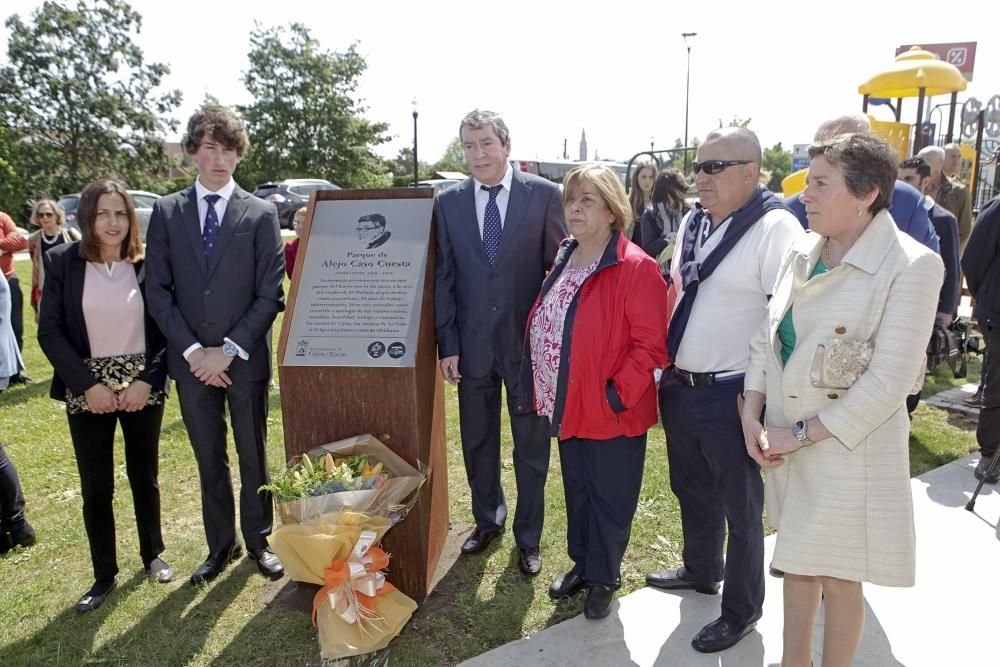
(483,198)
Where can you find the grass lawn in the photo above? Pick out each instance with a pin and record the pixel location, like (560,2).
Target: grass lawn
(482,601)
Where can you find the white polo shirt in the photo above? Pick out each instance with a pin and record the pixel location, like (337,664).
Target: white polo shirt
(732,302)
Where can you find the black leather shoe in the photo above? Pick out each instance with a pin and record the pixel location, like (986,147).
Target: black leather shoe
(531,561)
(598,602)
(159,571)
(680,579)
(214,565)
(20,378)
(984,465)
(478,541)
(720,635)
(566,585)
(96,596)
(267,563)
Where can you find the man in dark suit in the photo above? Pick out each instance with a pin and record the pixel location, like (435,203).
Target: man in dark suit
(497,234)
(214,263)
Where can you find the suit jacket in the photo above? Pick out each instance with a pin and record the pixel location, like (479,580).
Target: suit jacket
(842,507)
(981,264)
(907,210)
(481,311)
(954,197)
(236,295)
(946,227)
(62,330)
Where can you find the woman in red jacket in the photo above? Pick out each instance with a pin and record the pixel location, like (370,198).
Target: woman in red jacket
(596,336)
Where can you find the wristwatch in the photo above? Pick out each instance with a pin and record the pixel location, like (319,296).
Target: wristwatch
(229,349)
(799,430)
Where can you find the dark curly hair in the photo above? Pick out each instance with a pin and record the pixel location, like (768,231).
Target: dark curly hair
(218,123)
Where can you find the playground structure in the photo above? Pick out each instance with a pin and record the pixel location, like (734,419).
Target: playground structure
(919,74)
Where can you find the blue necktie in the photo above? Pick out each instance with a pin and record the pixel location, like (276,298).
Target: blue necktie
(492,230)
(210,232)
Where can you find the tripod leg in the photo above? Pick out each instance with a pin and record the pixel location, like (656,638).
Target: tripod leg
(971,505)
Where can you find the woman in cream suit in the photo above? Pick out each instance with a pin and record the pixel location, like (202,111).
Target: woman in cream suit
(841,348)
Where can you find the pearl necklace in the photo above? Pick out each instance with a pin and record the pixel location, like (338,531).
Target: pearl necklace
(50,241)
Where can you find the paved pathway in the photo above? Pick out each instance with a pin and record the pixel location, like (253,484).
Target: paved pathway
(947,619)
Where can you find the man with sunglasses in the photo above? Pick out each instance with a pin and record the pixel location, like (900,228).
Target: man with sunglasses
(723,269)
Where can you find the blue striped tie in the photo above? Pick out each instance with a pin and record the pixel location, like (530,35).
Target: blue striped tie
(492,229)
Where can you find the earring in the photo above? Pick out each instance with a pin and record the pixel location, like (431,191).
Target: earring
(860,210)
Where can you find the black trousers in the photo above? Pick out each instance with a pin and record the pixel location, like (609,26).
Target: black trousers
(11,499)
(602,480)
(17,310)
(717,483)
(93,441)
(988,432)
(479,420)
(204,411)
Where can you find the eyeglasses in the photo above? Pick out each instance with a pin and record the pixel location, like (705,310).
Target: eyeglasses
(45,214)
(713,167)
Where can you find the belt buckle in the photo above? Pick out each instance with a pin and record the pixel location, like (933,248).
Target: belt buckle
(686,377)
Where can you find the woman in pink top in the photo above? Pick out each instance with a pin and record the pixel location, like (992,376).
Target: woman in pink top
(109,361)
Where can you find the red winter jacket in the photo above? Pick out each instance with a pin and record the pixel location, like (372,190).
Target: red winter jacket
(614,336)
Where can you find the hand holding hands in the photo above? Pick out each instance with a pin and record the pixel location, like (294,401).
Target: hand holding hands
(209,364)
(134,397)
(100,399)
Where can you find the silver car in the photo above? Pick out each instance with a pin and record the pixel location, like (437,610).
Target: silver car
(142,200)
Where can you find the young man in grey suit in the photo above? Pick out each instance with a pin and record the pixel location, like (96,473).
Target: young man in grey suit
(214,265)
(497,235)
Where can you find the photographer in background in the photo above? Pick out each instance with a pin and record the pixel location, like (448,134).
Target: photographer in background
(981,265)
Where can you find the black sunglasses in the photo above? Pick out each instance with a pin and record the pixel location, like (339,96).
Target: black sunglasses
(46,214)
(713,167)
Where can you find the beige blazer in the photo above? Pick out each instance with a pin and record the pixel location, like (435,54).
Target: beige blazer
(842,507)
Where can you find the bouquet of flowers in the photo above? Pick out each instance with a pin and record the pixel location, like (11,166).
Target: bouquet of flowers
(336,502)
(359,474)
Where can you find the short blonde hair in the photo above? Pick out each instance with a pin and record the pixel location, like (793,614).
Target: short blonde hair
(608,186)
(56,208)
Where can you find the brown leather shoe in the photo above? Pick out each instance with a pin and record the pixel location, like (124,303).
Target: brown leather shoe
(478,541)
(531,561)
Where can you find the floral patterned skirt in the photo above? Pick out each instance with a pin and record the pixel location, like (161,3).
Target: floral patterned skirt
(116,373)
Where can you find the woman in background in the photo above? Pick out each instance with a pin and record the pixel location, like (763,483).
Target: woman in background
(662,219)
(52,232)
(640,191)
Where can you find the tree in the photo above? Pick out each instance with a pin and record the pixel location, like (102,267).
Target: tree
(775,165)
(401,168)
(79,100)
(453,158)
(304,120)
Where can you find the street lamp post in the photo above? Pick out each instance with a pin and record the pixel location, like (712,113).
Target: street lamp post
(415,163)
(687,95)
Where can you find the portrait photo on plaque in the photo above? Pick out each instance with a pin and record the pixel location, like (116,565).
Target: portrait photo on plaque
(358,298)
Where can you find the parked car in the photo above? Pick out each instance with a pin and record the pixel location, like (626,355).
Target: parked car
(142,200)
(438,184)
(290,195)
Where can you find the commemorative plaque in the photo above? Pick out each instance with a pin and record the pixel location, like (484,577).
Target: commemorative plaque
(356,302)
